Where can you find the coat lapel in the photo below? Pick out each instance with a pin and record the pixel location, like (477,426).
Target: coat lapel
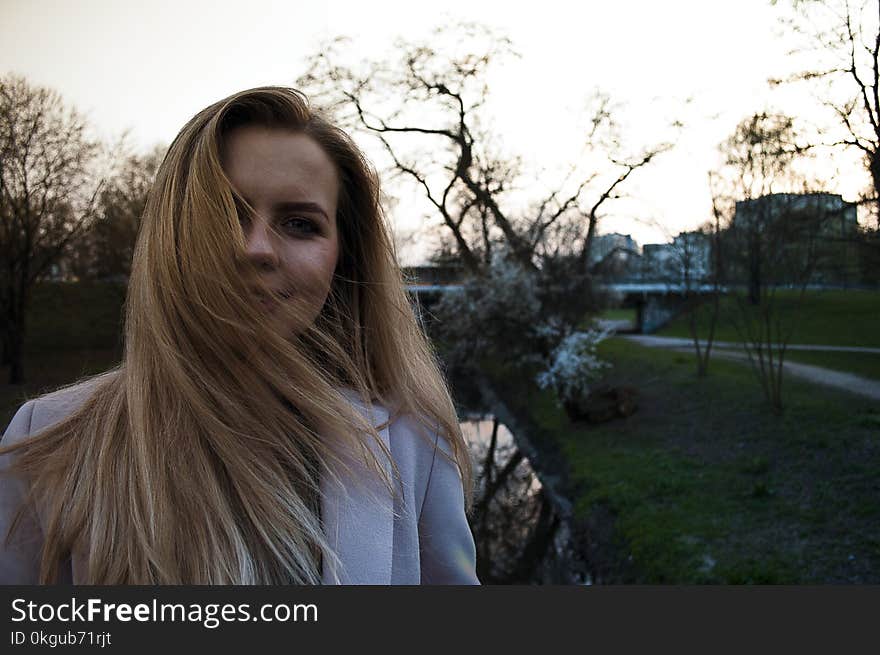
(358,513)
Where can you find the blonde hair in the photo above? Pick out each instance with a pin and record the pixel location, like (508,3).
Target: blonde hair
(198,460)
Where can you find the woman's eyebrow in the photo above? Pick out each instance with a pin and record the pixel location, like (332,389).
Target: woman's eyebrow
(302,206)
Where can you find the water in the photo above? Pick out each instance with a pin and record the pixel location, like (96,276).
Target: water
(520,537)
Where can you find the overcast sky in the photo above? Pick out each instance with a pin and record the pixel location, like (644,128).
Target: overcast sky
(148,67)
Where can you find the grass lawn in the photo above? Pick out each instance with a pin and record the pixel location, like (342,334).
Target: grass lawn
(619,314)
(75,316)
(73,330)
(703,484)
(838,318)
(48,371)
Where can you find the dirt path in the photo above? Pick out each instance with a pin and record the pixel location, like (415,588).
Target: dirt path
(679,342)
(816,374)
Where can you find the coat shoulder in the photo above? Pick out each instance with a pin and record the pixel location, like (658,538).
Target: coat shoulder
(414,443)
(45,411)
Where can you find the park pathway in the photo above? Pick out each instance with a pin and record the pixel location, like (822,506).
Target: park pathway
(728,350)
(680,342)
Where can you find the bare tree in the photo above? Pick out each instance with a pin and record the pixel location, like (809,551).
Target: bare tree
(426,110)
(792,243)
(106,249)
(758,159)
(844,38)
(776,223)
(697,254)
(47,197)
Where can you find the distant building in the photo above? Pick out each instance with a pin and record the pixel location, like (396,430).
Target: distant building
(658,260)
(694,252)
(614,255)
(775,239)
(687,260)
(612,244)
(793,235)
(834,216)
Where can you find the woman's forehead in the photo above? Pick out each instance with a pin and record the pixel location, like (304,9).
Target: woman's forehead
(276,165)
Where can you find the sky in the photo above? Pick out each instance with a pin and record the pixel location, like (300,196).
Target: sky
(147,67)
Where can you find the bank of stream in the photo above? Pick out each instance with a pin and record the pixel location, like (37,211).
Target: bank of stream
(522,520)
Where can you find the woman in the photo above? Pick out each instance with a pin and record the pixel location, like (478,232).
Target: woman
(278,416)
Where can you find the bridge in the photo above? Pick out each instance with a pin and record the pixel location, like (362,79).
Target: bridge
(656,303)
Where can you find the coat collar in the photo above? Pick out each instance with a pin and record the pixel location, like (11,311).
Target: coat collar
(358,512)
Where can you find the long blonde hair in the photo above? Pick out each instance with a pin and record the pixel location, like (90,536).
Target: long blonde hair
(198,460)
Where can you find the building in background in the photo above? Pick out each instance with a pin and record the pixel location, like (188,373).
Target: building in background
(778,239)
(615,255)
(794,238)
(829,212)
(685,261)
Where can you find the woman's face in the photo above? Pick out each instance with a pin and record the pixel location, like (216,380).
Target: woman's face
(291,235)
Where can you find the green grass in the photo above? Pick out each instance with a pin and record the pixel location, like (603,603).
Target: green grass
(72,330)
(75,316)
(703,484)
(620,314)
(838,318)
(48,371)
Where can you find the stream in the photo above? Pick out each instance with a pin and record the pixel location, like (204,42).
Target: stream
(520,537)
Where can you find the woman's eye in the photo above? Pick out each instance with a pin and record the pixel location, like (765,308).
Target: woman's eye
(299,225)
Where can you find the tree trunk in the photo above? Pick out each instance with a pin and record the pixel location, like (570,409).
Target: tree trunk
(15,352)
(755,272)
(13,341)
(874,167)
(5,359)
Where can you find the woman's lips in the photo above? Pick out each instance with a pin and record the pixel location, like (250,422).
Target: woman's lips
(272,301)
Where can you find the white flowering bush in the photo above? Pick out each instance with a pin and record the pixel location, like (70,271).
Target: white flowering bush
(525,318)
(573,365)
(499,311)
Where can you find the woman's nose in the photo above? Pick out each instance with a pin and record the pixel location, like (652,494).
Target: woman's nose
(259,246)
